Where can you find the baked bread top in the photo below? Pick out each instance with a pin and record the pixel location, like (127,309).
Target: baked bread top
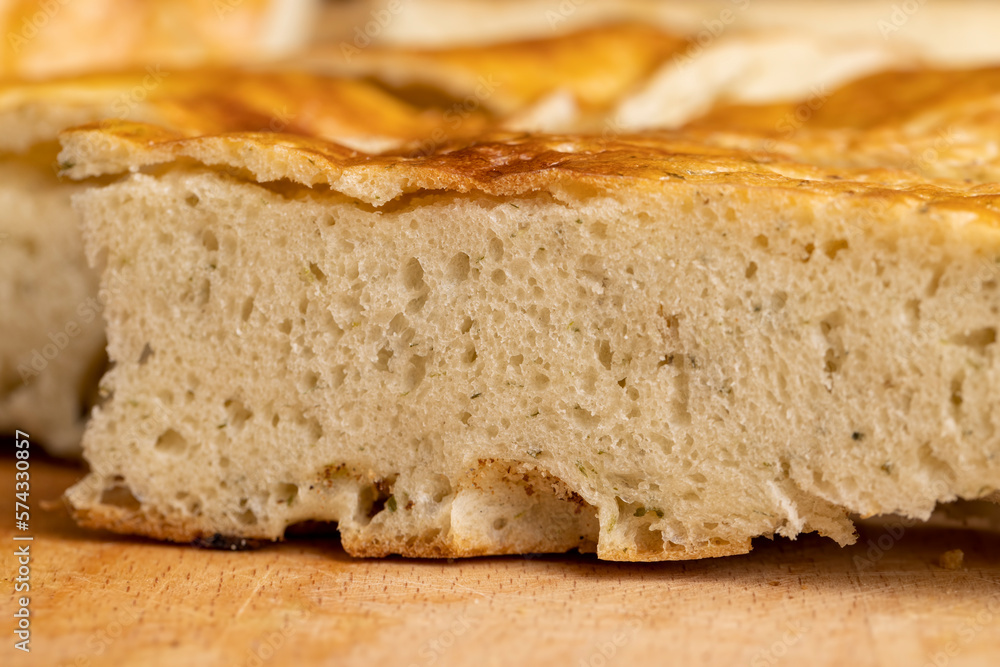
(494,164)
(883,153)
(933,123)
(893,100)
(938,123)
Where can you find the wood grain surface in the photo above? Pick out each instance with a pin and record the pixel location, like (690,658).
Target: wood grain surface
(100,599)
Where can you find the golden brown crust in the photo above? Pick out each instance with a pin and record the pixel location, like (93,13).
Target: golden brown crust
(597,66)
(677,552)
(878,148)
(917,124)
(208,101)
(125,522)
(886,100)
(937,123)
(510,165)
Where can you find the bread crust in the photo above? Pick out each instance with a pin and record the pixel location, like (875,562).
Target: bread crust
(597,66)
(507,165)
(357,544)
(870,137)
(208,101)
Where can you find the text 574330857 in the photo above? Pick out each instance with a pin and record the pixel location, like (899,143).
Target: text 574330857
(22,543)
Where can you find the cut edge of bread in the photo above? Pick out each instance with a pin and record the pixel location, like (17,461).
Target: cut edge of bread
(572,178)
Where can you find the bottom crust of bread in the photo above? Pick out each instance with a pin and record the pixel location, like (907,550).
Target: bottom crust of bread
(546,518)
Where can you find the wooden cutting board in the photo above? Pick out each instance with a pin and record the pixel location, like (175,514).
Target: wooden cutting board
(99,599)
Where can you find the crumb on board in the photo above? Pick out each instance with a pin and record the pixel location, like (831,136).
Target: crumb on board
(952,560)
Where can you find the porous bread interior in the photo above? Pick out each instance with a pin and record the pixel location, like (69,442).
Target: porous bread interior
(52,346)
(655,375)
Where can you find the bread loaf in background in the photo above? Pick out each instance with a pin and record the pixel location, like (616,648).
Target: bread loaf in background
(48,38)
(51,334)
(956,33)
(621,76)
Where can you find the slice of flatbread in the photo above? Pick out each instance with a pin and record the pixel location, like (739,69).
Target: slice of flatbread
(646,346)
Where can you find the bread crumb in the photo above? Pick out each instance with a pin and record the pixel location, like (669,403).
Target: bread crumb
(952,560)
